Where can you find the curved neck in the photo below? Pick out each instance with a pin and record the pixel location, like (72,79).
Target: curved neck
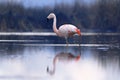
(51,72)
(54,26)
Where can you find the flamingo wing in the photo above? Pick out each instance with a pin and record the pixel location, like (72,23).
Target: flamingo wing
(66,29)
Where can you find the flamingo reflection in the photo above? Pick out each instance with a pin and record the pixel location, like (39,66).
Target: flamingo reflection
(62,56)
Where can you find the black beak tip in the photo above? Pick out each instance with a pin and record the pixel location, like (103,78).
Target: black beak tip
(47,69)
(47,20)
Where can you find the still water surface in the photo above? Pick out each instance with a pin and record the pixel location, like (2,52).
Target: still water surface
(26,56)
(29,62)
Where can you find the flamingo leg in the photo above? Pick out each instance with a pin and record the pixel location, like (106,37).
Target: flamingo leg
(80,44)
(66,42)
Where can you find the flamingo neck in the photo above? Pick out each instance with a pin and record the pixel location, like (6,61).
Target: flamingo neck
(54,26)
(54,67)
(52,72)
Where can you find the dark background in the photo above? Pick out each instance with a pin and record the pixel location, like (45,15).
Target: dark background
(103,16)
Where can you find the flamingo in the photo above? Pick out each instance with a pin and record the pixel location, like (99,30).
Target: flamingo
(62,57)
(66,30)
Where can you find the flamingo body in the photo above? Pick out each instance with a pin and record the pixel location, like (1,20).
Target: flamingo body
(66,57)
(66,30)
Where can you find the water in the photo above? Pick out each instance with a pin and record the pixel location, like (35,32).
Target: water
(25,62)
(29,57)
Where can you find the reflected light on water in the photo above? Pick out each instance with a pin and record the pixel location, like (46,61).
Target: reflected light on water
(11,67)
(33,63)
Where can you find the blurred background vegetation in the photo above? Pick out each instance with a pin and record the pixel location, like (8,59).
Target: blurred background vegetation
(103,16)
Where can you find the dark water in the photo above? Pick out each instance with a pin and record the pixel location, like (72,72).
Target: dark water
(29,62)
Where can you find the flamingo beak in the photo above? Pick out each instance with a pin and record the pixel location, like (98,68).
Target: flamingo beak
(78,32)
(47,20)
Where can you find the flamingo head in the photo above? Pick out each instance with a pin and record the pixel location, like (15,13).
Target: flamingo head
(51,15)
(78,58)
(78,32)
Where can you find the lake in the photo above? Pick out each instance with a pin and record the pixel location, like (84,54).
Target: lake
(28,59)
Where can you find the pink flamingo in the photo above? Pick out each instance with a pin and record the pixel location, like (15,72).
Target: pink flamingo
(66,30)
(62,57)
